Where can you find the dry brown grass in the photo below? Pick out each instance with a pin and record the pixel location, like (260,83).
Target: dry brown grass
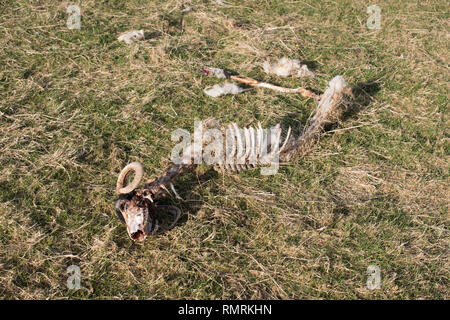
(77,105)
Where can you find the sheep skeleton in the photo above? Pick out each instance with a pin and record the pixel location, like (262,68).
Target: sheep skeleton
(136,207)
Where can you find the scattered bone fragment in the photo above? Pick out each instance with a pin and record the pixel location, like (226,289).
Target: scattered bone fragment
(222,73)
(221,3)
(216,72)
(258,84)
(183,12)
(187,9)
(132,36)
(222,89)
(285,67)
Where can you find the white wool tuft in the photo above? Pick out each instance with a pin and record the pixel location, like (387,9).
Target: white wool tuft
(304,72)
(218,73)
(331,96)
(132,36)
(222,89)
(337,83)
(287,67)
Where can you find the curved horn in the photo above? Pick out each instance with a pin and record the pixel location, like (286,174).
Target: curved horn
(139,173)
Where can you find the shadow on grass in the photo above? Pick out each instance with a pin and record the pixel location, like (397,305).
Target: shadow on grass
(192,203)
(363,93)
(362,96)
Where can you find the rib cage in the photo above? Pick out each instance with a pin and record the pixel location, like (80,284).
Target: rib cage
(250,147)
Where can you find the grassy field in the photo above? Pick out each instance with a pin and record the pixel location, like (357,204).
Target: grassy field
(76,106)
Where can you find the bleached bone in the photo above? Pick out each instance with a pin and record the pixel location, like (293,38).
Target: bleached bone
(132,36)
(221,3)
(248,147)
(327,111)
(220,73)
(139,173)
